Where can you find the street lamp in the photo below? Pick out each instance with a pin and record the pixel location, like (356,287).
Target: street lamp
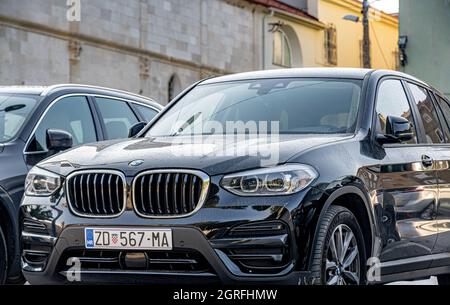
(366,35)
(351,18)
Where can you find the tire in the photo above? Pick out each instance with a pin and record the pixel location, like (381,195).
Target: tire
(444,279)
(17,280)
(330,265)
(3,258)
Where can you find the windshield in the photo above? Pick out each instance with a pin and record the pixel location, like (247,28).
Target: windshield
(14,110)
(293,106)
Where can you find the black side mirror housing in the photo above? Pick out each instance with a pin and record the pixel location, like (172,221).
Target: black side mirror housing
(58,140)
(136,128)
(398,130)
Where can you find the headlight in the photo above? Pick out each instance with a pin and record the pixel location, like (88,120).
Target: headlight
(41,183)
(280,180)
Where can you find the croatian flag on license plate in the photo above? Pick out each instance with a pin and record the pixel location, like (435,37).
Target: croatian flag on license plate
(89,238)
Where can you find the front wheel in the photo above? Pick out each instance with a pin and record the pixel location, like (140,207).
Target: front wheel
(3,258)
(339,256)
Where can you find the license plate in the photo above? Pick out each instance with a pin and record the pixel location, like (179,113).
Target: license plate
(128,239)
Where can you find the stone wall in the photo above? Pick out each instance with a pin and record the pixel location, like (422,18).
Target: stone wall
(134,45)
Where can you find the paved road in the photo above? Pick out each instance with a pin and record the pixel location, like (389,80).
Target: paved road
(431,281)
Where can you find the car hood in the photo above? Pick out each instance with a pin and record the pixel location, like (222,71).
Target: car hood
(211,154)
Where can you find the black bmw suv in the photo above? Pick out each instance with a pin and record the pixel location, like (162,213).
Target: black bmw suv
(317,176)
(36,123)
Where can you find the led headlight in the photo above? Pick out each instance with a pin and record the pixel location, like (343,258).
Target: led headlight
(41,183)
(280,180)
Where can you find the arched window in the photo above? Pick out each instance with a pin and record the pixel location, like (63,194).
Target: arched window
(282,53)
(174,87)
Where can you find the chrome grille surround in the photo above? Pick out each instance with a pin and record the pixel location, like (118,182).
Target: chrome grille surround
(96,172)
(203,193)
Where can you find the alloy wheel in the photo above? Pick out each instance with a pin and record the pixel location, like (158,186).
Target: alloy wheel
(342,265)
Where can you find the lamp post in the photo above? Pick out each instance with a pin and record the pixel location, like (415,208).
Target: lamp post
(366,35)
(366,32)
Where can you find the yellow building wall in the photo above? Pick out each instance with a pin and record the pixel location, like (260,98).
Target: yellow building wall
(383,33)
(309,35)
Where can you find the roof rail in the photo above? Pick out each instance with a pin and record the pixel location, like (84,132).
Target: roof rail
(54,87)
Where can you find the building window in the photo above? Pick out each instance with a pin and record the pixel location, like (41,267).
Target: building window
(331,45)
(282,54)
(173,88)
(396,55)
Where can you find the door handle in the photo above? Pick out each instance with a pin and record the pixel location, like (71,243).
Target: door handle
(427,161)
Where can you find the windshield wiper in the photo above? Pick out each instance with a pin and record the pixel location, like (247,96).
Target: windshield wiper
(186,124)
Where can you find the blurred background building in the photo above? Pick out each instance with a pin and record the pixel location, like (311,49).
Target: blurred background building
(159,47)
(426,49)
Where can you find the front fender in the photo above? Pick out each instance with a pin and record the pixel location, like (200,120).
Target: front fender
(329,195)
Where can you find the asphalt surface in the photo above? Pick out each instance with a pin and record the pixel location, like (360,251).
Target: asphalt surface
(430,281)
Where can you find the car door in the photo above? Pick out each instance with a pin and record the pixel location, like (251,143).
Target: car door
(72,114)
(116,117)
(406,187)
(443,173)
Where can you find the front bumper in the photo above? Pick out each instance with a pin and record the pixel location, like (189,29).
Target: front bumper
(183,238)
(51,234)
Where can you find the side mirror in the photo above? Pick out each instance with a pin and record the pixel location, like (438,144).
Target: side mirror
(136,128)
(398,130)
(58,140)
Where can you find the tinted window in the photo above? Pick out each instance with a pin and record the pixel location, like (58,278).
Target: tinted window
(445,119)
(71,114)
(147,112)
(428,114)
(14,110)
(117,117)
(392,101)
(297,106)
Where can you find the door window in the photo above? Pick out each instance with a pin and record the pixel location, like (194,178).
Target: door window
(147,112)
(445,108)
(392,101)
(117,117)
(428,114)
(71,114)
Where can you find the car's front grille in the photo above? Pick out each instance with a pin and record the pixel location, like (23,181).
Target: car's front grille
(189,261)
(96,193)
(171,193)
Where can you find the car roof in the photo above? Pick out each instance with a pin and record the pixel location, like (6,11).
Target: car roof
(61,89)
(351,73)
(35,90)
(344,73)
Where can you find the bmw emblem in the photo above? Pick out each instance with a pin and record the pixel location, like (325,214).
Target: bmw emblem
(136,163)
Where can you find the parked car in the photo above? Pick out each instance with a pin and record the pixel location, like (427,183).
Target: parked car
(37,122)
(362,179)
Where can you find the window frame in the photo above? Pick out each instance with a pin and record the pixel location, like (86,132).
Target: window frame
(142,118)
(48,107)
(435,96)
(331,56)
(423,140)
(414,113)
(129,103)
(284,37)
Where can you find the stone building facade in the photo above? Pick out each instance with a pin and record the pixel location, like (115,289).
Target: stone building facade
(154,47)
